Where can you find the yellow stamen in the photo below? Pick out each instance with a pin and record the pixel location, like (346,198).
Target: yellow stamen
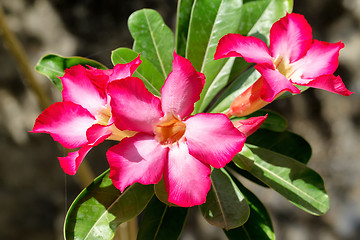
(169,130)
(103,116)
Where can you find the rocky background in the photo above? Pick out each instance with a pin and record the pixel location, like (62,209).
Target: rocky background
(35,193)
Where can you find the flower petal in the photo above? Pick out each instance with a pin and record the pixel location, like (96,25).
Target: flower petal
(249,126)
(187,180)
(66,122)
(322,58)
(97,133)
(248,101)
(274,83)
(71,163)
(125,70)
(182,88)
(329,83)
(133,106)
(290,37)
(213,139)
(78,88)
(250,48)
(137,159)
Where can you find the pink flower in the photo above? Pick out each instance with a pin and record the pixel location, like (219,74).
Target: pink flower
(170,143)
(293,58)
(83,119)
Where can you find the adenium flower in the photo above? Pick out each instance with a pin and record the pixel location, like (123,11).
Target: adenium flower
(170,143)
(294,58)
(83,119)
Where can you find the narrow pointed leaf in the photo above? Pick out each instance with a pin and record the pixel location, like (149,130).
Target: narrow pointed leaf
(146,71)
(161,221)
(53,66)
(100,208)
(182,25)
(153,39)
(274,121)
(209,22)
(286,143)
(225,206)
(161,193)
(292,179)
(239,85)
(257,18)
(259,224)
(218,83)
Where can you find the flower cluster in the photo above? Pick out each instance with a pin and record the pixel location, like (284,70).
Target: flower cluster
(294,58)
(159,138)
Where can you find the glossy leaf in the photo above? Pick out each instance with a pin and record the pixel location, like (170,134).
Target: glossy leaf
(274,121)
(53,66)
(294,180)
(182,25)
(161,221)
(153,39)
(245,173)
(146,71)
(257,18)
(100,208)
(209,22)
(225,206)
(239,85)
(218,83)
(161,193)
(285,143)
(259,224)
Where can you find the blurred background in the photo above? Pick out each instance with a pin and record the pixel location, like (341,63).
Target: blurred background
(34,191)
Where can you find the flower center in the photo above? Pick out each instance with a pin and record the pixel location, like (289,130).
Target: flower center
(284,67)
(169,130)
(103,116)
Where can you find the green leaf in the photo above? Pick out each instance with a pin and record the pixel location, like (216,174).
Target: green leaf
(294,180)
(225,206)
(53,66)
(153,39)
(100,208)
(257,18)
(245,173)
(161,193)
(259,224)
(219,82)
(286,143)
(274,121)
(161,221)
(239,85)
(182,25)
(209,22)
(147,72)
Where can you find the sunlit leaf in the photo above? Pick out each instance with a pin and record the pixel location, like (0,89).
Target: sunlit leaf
(209,22)
(182,25)
(258,226)
(274,121)
(161,221)
(153,39)
(294,180)
(225,206)
(53,66)
(239,85)
(147,72)
(286,143)
(257,18)
(100,208)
